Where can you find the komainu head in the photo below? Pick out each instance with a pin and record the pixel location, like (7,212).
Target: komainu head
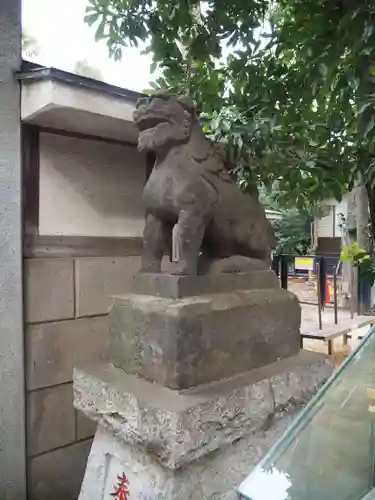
(163,120)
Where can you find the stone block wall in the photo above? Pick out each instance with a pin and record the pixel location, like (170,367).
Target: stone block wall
(66,324)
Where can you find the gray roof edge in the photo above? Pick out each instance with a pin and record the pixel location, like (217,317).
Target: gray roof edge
(33,72)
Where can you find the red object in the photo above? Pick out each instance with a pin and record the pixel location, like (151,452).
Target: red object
(327,294)
(122,488)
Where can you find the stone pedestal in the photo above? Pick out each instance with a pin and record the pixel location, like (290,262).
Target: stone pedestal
(204,374)
(182,331)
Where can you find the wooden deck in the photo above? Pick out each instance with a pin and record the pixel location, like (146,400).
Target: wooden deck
(343,331)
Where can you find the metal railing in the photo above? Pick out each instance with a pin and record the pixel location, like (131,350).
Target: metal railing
(323,280)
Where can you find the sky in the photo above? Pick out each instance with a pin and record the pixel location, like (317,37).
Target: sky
(64,38)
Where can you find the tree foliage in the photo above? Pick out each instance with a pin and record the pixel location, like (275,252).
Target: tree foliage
(287,85)
(293,227)
(330,47)
(293,232)
(30,45)
(84,68)
(185,37)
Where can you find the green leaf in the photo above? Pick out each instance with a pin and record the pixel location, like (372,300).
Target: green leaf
(99,35)
(369,126)
(91,18)
(363,108)
(323,69)
(225,125)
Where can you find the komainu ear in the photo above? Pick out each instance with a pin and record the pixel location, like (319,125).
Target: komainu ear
(187,103)
(143,101)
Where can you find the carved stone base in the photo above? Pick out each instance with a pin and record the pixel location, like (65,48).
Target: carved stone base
(183,331)
(196,444)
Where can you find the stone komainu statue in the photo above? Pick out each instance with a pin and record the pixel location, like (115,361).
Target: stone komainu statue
(219,227)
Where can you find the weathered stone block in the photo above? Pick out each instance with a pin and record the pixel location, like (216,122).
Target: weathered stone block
(51,419)
(176,287)
(181,426)
(58,475)
(97,278)
(164,440)
(49,290)
(53,349)
(184,342)
(212,478)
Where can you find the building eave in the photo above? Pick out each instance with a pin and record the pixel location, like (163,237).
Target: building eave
(52,98)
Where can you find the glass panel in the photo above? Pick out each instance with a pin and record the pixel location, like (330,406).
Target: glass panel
(328,452)
(369,496)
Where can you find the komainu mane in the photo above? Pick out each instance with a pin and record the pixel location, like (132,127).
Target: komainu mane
(219,227)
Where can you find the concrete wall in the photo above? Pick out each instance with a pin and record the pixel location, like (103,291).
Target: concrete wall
(66,306)
(66,315)
(89,188)
(12,414)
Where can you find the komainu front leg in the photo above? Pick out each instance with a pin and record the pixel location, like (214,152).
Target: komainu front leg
(190,231)
(155,237)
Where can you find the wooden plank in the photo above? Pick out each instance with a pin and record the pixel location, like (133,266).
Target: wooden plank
(333,334)
(338,331)
(326,334)
(369,321)
(365,322)
(80,246)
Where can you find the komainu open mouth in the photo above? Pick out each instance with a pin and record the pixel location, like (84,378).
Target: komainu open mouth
(147,121)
